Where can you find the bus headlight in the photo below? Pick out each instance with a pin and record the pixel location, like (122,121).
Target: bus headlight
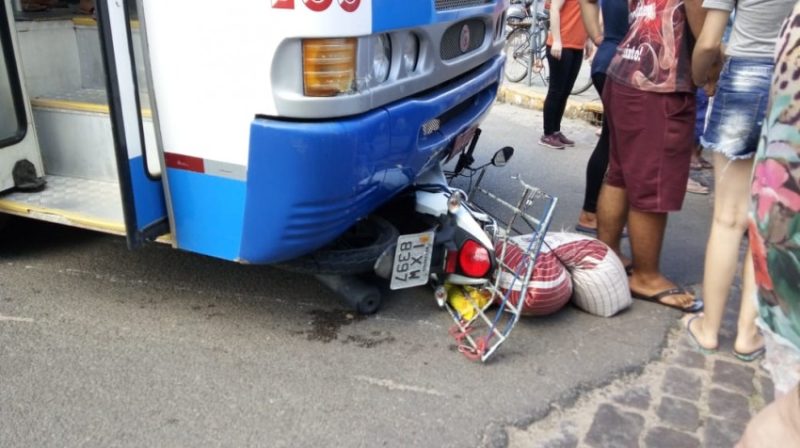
(381,61)
(410,53)
(329,66)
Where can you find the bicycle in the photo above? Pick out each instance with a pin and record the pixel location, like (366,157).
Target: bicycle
(526,45)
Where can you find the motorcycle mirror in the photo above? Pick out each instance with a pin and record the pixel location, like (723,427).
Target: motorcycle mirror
(502,156)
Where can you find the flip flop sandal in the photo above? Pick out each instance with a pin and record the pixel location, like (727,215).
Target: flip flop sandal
(696,305)
(749,357)
(693,339)
(591,231)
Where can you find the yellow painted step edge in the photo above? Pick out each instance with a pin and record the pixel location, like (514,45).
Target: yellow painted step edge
(89,21)
(73,219)
(77,106)
(62,217)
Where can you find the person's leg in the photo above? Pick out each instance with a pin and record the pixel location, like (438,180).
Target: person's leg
(656,174)
(646,233)
(729,222)
(596,167)
(612,212)
(572,60)
(552,106)
(748,338)
(612,203)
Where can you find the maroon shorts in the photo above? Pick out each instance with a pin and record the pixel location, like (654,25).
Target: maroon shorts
(651,139)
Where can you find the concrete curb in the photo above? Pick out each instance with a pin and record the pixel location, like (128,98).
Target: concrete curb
(591,111)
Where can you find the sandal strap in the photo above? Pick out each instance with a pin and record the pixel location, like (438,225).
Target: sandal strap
(671,292)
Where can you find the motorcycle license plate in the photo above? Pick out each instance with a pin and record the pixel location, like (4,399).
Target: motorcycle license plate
(412,260)
(461,141)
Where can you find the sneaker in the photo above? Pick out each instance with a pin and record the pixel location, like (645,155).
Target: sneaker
(564,139)
(551,141)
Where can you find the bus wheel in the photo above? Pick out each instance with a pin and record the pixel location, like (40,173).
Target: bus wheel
(355,252)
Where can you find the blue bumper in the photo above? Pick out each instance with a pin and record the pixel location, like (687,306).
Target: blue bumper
(308,182)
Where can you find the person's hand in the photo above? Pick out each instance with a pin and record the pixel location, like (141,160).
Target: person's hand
(589,49)
(555,50)
(713,77)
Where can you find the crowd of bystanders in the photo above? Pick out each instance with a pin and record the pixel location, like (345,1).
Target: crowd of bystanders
(654,57)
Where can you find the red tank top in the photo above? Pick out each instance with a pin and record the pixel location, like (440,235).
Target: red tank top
(573,34)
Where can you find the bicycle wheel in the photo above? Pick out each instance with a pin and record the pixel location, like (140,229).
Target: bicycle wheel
(517,55)
(584,80)
(579,88)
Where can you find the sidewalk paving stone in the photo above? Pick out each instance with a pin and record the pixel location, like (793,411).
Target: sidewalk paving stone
(722,433)
(682,383)
(736,376)
(660,437)
(614,428)
(679,413)
(729,405)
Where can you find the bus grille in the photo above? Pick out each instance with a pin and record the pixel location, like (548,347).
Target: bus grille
(451,41)
(443,5)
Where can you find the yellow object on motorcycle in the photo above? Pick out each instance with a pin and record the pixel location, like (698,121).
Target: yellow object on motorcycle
(467,300)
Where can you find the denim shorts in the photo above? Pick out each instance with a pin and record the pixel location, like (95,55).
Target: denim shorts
(738,109)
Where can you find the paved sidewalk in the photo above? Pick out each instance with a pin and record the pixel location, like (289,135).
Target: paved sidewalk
(684,400)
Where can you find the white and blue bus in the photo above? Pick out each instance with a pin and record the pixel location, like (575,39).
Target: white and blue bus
(254,131)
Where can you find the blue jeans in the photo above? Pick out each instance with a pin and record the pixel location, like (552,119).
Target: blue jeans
(737,112)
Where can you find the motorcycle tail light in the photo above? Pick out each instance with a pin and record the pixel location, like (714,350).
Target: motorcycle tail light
(329,66)
(452,261)
(474,259)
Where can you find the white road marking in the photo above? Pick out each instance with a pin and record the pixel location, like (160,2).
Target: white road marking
(391,385)
(15,319)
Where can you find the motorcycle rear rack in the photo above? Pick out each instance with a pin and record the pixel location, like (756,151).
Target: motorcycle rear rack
(492,323)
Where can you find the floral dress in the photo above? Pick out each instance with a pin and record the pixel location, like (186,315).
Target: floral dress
(775,212)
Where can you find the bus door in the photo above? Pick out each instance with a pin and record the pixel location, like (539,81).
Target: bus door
(139,161)
(20,161)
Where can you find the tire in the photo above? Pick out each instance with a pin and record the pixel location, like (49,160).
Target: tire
(355,252)
(356,293)
(517,55)
(577,89)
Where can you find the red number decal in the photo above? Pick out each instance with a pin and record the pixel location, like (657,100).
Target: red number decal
(318,5)
(350,5)
(283,4)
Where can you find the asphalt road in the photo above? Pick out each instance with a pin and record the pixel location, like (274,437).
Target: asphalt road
(100,346)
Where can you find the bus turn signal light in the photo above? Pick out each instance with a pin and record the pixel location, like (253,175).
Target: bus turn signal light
(329,66)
